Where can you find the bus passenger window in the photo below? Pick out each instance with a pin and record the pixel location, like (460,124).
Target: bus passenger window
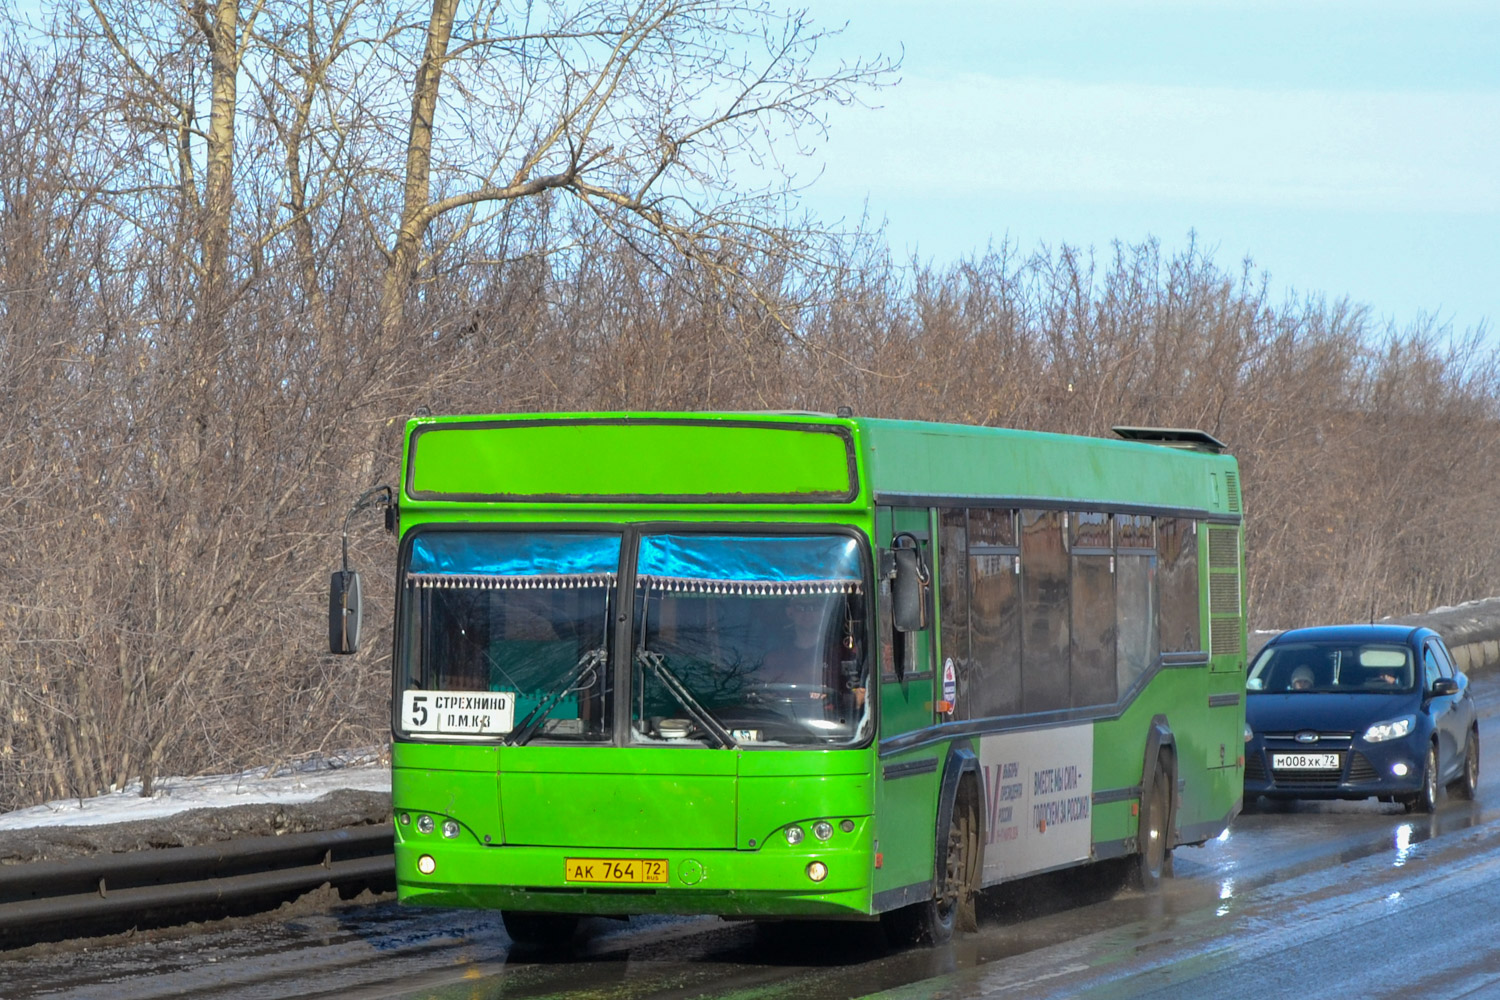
(1044,612)
(953,598)
(1177,568)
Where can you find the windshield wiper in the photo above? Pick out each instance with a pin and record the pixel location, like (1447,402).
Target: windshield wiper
(685,698)
(538,715)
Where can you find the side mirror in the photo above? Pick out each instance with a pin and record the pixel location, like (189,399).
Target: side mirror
(910,588)
(343,612)
(1444,686)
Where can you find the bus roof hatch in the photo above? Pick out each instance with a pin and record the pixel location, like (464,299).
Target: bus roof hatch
(1174,437)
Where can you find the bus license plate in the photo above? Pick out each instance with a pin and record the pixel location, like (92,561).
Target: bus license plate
(1305,761)
(630,870)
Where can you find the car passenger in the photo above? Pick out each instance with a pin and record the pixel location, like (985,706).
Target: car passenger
(1302,679)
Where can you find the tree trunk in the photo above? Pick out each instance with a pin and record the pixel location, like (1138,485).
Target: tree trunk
(218,194)
(406,253)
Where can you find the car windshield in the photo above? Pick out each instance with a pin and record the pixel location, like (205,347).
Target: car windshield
(524,616)
(746,640)
(1338,667)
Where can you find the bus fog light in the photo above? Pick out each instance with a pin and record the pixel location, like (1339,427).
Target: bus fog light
(1399,769)
(450,828)
(426,865)
(794,835)
(817,871)
(424,823)
(822,829)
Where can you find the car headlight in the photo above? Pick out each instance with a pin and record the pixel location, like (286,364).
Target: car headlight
(1249,733)
(1392,730)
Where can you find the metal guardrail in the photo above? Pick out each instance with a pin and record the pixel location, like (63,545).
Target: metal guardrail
(112,892)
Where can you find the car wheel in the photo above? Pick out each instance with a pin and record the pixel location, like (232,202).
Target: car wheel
(1467,785)
(1426,801)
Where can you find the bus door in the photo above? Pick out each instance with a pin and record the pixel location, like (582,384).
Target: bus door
(907,780)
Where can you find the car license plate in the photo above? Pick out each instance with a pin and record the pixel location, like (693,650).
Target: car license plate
(1305,761)
(629,870)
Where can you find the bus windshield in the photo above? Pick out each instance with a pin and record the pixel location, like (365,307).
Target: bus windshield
(749,640)
(524,616)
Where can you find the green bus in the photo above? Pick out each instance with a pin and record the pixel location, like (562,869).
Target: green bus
(801,666)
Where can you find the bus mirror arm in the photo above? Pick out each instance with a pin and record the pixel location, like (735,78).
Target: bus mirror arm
(345,608)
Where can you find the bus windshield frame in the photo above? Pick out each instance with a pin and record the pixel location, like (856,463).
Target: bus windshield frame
(519,633)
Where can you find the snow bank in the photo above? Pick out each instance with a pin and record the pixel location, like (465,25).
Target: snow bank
(362,770)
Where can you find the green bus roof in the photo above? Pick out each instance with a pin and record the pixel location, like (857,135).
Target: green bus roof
(941,461)
(796,458)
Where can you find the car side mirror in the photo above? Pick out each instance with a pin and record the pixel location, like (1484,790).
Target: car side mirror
(1444,686)
(344,612)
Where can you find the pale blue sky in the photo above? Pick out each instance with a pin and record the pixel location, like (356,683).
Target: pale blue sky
(1351,148)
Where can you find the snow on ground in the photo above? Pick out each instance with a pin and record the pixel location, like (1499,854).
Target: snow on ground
(362,770)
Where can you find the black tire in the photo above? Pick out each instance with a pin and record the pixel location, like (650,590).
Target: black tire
(932,922)
(1466,786)
(542,930)
(1427,800)
(1155,830)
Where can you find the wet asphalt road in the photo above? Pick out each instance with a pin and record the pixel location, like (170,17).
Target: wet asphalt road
(1309,900)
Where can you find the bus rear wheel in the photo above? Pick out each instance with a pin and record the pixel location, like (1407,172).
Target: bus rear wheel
(933,921)
(1147,867)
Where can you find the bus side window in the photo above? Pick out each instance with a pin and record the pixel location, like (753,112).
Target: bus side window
(953,601)
(994,675)
(1177,573)
(1045,612)
(895,647)
(1136,624)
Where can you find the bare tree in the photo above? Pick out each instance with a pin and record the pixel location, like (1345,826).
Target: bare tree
(638,109)
(586,237)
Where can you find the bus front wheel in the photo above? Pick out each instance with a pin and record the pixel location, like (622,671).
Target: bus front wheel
(933,921)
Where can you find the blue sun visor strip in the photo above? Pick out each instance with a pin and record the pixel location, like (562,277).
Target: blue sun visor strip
(792,564)
(513,559)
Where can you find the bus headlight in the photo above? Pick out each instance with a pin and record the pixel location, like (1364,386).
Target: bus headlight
(450,828)
(424,823)
(794,835)
(822,829)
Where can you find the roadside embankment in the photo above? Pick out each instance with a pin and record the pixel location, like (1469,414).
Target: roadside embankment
(1471,631)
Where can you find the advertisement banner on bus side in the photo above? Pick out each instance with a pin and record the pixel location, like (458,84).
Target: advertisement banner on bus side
(1039,799)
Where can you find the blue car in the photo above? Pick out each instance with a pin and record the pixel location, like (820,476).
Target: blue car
(1353,711)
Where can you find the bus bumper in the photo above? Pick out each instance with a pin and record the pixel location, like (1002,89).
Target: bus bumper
(772,882)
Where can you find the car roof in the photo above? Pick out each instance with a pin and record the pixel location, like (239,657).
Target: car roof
(1353,633)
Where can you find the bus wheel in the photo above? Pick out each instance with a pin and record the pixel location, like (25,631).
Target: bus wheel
(1156,815)
(540,929)
(933,921)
